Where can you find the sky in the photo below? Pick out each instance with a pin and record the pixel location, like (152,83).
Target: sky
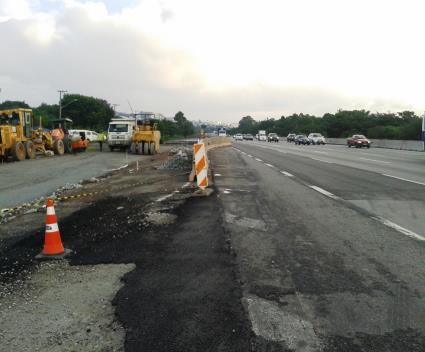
(217,60)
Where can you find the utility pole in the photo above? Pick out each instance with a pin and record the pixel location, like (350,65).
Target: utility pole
(114,107)
(61,91)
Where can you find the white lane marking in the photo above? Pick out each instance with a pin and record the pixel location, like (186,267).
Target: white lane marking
(187,184)
(323,161)
(326,193)
(403,230)
(226,192)
(243,153)
(164,197)
(372,154)
(259,160)
(217,175)
(286,174)
(404,179)
(269,165)
(316,151)
(250,155)
(377,161)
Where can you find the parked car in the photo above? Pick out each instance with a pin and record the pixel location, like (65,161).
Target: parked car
(272,137)
(316,138)
(301,139)
(238,137)
(358,141)
(290,137)
(90,135)
(248,137)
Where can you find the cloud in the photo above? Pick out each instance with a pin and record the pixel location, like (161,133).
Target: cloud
(216,60)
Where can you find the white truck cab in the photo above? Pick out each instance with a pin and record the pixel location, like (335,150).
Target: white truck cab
(120,132)
(262,135)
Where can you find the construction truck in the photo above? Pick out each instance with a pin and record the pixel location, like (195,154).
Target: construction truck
(146,133)
(44,141)
(15,134)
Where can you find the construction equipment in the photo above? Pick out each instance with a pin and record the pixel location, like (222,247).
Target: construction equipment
(72,144)
(145,133)
(15,134)
(43,141)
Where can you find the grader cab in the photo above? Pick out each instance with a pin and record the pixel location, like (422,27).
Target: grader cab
(15,134)
(146,133)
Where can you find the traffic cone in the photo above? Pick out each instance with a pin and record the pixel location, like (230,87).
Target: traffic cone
(53,247)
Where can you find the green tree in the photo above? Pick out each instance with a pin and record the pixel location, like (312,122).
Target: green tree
(10,104)
(184,126)
(247,125)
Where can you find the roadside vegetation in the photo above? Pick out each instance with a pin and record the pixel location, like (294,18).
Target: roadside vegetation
(401,125)
(94,114)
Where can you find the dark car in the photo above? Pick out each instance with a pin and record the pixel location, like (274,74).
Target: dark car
(272,137)
(301,139)
(358,141)
(290,137)
(248,137)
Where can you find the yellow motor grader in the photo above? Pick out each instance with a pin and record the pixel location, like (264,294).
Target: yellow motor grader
(146,133)
(15,134)
(19,140)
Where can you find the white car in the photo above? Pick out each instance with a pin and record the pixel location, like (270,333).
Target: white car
(90,135)
(316,138)
(238,137)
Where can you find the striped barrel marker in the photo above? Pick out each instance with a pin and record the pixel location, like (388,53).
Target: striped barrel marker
(201,165)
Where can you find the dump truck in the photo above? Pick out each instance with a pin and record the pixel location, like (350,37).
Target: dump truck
(15,134)
(146,133)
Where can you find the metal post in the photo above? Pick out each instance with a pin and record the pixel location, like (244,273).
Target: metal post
(423,130)
(61,91)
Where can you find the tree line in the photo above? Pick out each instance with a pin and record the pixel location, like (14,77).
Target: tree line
(94,114)
(404,125)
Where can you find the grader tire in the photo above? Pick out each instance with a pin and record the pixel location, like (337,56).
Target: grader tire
(58,147)
(18,151)
(133,148)
(68,144)
(140,148)
(29,150)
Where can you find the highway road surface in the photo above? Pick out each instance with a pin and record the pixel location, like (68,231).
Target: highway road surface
(330,244)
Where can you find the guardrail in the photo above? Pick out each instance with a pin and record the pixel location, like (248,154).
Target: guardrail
(385,143)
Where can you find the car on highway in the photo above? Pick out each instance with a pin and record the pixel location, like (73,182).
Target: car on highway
(358,141)
(272,137)
(238,137)
(301,139)
(290,137)
(316,138)
(248,137)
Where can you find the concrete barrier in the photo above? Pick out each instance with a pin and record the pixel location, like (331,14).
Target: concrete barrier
(385,143)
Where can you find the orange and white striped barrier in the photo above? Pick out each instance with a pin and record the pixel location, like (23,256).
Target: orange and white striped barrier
(53,247)
(201,165)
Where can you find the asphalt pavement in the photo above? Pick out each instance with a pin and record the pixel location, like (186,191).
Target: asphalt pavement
(330,251)
(30,179)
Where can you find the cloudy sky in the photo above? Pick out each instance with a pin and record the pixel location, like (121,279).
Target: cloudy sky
(217,59)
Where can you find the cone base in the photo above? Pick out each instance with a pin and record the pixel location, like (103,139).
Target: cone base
(42,256)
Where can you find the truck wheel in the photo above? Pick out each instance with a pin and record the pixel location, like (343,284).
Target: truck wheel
(18,151)
(29,150)
(67,144)
(133,148)
(58,147)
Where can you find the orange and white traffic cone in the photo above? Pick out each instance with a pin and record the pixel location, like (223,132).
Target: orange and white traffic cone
(53,247)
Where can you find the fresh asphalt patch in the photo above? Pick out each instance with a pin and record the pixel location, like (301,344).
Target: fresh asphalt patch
(184,294)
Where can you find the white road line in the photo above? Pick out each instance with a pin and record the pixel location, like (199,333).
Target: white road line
(403,230)
(269,165)
(286,174)
(250,155)
(259,160)
(372,154)
(405,179)
(323,161)
(164,197)
(316,151)
(326,193)
(377,161)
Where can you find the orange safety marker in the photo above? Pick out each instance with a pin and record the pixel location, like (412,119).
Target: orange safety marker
(201,165)
(53,247)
